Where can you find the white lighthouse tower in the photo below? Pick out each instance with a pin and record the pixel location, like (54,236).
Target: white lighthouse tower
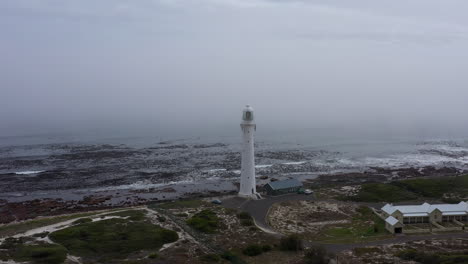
(247,182)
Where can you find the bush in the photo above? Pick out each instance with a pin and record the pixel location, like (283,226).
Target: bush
(244,215)
(316,255)
(252,250)
(210,258)
(153,255)
(41,235)
(247,222)
(205,221)
(291,243)
(161,218)
(46,254)
(266,248)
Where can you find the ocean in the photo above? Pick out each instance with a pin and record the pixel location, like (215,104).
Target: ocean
(74,166)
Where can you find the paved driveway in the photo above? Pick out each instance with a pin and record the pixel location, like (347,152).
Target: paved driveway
(258,209)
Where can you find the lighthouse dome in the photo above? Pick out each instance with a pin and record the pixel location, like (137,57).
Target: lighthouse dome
(248,114)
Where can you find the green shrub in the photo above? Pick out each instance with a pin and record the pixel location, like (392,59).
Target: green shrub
(244,215)
(210,258)
(252,250)
(247,222)
(153,256)
(266,248)
(161,218)
(253,228)
(205,221)
(291,243)
(316,255)
(42,254)
(41,235)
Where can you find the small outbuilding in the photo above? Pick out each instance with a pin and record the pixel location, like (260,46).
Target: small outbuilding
(393,225)
(283,187)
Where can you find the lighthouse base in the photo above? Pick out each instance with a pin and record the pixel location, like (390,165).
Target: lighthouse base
(253,196)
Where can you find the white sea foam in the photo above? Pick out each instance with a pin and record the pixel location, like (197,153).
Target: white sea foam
(263,166)
(295,163)
(143,185)
(27,172)
(216,170)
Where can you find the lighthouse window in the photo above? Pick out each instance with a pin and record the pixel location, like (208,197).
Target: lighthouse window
(248,115)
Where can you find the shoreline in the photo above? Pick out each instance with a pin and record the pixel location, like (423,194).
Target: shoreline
(31,207)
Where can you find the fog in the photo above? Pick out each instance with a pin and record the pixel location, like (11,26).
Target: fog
(181,67)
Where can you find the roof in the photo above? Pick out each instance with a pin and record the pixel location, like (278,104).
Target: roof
(415,214)
(425,209)
(391,220)
(454,213)
(278,185)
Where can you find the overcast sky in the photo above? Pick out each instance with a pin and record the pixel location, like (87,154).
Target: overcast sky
(193,64)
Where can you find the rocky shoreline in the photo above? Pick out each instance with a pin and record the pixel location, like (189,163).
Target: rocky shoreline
(38,180)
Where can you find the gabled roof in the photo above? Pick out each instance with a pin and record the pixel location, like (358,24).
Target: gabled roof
(425,209)
(278,185)
(391,220)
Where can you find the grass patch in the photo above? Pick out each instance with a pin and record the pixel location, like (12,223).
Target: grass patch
(433,258)
(205,221)
(364,226)
(112,238)
(381,192)
(436,188)
(252,250)
(180,204)
(13,229)
(412,189)
(40,253)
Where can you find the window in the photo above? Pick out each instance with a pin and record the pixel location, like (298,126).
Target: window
(248,115)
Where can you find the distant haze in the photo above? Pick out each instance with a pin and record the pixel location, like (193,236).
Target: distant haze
(187,67)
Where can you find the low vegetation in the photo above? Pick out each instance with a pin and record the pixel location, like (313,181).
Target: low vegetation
(381,192)
(38,253)
(245,219)
(255,249)
(316,255)
(433,258)
(364,226)
(112,238)
(291,243)
(12,229)
(205,221)
(397,191)
(181,204)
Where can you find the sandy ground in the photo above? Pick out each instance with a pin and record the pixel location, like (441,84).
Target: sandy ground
(308,216)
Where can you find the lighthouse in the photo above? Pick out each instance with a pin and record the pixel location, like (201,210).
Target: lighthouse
(247,182)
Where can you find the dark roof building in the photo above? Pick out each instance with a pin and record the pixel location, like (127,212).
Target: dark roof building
(283,187)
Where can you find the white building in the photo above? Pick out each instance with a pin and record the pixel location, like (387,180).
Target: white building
(247,183)
(396,217)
